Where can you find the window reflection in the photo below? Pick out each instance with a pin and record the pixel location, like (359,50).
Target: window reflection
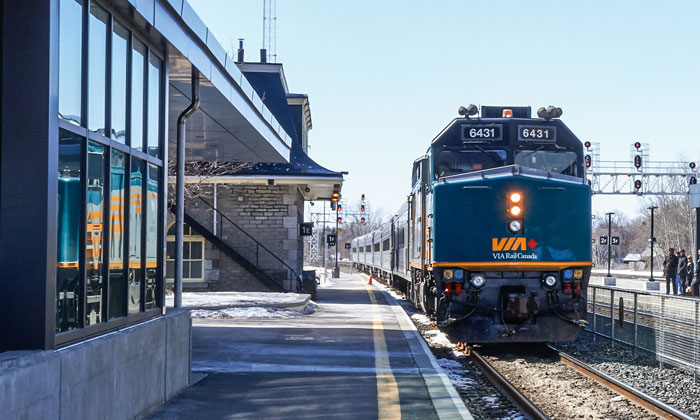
(97,58)
(68,233)
(120,50)
(154,69)
(69,60)
(138,63)
(152,216)
(135,218)
(94,232)
(117,278)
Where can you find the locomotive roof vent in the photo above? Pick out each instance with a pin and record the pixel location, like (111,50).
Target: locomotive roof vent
(497,111)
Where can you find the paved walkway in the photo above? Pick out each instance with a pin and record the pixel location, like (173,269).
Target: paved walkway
(357,357)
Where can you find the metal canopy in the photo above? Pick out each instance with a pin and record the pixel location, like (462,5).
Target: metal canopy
(221,129)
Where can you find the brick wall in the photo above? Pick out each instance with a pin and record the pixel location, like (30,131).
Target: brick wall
(269,213)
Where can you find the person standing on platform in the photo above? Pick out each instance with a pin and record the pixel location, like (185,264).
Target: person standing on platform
(692,282)
(670,269)
(683,270)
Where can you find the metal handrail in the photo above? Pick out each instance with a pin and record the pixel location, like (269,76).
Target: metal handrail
(258,244)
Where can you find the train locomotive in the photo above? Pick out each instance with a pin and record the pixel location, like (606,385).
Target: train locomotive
(493,241)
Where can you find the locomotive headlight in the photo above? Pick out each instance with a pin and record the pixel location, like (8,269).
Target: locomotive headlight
(515,211)
(477,281)
(447,274)
(514,226)
(515,197)
(550,281)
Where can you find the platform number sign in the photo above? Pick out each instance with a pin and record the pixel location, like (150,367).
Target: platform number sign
(306,229)
(331,239)
(347,245)
(615,240)
(603,240)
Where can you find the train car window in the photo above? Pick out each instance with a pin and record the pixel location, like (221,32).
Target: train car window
(376,247)
(561,162)
(385,245)
(401,241)
(453,162)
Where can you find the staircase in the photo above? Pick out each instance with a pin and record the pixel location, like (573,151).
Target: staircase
(251,268)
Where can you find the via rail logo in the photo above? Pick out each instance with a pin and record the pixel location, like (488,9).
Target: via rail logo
(514,248)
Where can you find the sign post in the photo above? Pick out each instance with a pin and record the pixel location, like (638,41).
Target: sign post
(609,242)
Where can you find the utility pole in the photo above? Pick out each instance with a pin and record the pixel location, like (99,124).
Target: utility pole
(336,270)
(651,241)
(609,239)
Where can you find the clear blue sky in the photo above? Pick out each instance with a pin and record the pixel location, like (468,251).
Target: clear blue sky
(384,77)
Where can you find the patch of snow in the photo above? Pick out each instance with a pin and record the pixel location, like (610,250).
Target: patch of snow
(252,312)
(234,299)
(454,370)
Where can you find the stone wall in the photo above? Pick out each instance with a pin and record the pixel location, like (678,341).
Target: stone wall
(121,375)
(270,214)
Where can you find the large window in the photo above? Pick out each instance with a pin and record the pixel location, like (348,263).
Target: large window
(110,187)
(192,255)
(70,60)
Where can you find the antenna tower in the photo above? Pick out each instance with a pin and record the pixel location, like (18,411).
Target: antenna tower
(270,29)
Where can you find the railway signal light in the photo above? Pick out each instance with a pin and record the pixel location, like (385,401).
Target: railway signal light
(692,165)
(340,207)
(693,180)
(363,197)
(587,159)
(362,220)
(637,161)
(587,144)
(340,220)
(637,184)
(515,204)
(335,197)
(362,207)
(637,145)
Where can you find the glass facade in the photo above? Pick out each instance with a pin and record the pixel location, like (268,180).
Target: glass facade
(69,64)
(117,204)
(138,70)
(155,66)
(97,68)
(135,237)
(68,290)
(110,187)
(120,50)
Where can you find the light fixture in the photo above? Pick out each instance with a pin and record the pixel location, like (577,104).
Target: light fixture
(515,211)
(514,226)
(550,281)
(516,197)
(477,281)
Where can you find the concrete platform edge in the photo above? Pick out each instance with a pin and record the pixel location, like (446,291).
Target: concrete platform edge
(445,398)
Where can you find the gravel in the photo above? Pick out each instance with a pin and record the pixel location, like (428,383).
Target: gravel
(670,385)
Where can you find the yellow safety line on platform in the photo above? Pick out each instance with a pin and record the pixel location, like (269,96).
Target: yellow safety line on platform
(387,388)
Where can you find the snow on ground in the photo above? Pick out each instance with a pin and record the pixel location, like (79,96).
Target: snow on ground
(454,370)
(235,299)
(252,312)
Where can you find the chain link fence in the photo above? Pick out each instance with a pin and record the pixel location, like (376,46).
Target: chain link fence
(664,325)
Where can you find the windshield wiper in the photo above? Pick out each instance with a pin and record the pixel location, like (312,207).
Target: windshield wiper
(532,152)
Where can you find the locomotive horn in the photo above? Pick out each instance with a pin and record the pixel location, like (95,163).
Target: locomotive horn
(468,111)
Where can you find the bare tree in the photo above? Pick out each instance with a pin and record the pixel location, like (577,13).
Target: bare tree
(204,171)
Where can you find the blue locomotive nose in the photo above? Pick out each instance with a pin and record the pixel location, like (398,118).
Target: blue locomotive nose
(478,226)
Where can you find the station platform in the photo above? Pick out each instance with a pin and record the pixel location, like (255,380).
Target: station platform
(358,356)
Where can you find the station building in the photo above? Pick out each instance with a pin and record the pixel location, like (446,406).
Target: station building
(244,222)
(91,95)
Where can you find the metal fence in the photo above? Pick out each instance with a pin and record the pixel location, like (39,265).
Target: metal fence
(666,326)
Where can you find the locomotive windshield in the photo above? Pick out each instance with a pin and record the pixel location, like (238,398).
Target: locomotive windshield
(561,162)
(453,162)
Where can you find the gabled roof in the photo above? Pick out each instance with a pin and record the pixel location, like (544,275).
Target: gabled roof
(270,84)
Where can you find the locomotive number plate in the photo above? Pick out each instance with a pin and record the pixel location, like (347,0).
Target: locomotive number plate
(537,133)
(482,132)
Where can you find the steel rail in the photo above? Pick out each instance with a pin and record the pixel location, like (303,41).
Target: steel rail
(652,404)
(523,403)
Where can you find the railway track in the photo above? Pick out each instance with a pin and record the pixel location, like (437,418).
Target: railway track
(519,399)
(650,403)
